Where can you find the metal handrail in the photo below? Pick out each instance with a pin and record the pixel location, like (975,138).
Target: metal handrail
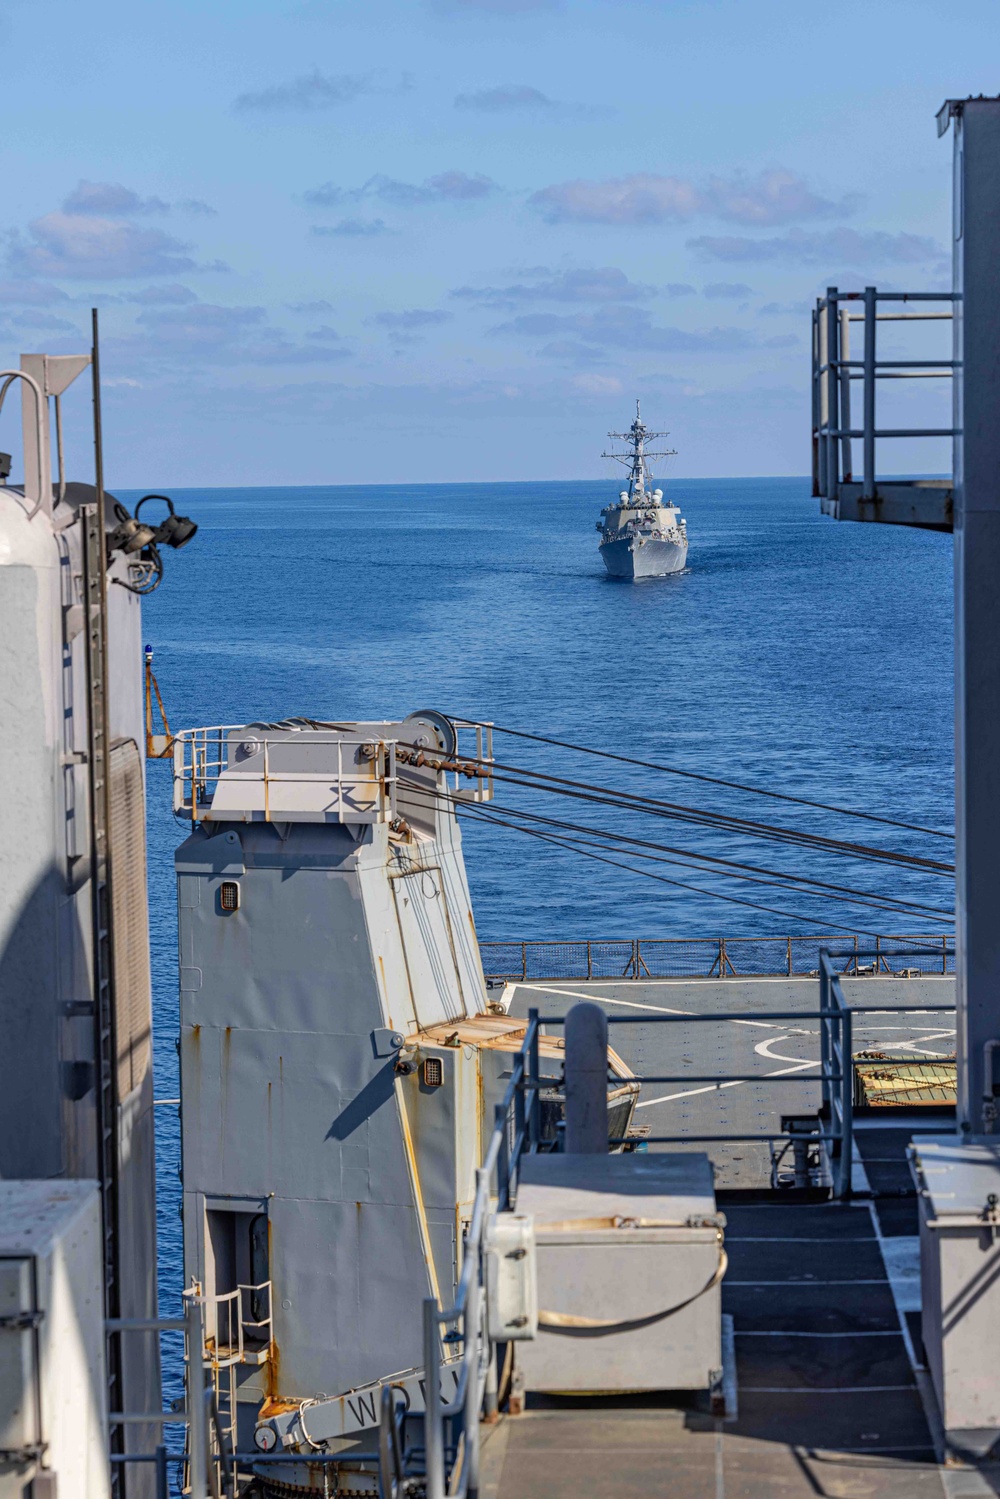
(723,957)
(502,1158)
(8,377)
(516,1131)
(202,755)
(832,373)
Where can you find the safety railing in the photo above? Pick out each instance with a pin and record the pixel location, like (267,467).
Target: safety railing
(240,1325)
(837,1066)
(302,769)
(209,1463)
(275,771)
(454,1470)
(197,1413)
(833,370)
(708,957)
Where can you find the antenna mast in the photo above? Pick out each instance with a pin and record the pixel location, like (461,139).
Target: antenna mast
(636,437)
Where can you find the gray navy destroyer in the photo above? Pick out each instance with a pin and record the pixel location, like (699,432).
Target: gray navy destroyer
(641,537)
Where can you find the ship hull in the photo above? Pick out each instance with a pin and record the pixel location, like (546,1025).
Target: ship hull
(653,559)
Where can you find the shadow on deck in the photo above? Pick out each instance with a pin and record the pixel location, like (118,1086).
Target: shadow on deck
(833,1398)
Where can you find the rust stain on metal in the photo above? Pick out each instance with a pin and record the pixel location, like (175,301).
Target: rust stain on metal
(275,1406)
(273,1352)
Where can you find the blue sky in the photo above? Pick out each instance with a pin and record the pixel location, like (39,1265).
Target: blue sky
(413,240)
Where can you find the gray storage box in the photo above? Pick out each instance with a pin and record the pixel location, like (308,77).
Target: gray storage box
(665,1248)
(960,1278)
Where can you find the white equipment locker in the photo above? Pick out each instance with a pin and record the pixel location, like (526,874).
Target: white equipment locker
(622,1239)
(958,1185)
(53,1405)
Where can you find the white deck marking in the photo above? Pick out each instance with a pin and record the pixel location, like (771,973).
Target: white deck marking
(630,1004)
(739,1083)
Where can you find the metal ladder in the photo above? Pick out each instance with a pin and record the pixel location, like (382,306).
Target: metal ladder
(95,586)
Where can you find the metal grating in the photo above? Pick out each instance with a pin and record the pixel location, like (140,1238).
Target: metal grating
(130,924)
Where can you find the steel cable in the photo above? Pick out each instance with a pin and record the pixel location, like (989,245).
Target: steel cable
(694,775)
(577,845)
(680,812)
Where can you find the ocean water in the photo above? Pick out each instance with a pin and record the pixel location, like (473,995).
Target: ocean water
(793,654)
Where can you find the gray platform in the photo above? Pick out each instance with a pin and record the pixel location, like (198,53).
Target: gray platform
(786,1051)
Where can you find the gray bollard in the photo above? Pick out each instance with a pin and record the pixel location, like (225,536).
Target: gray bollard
(586,1080)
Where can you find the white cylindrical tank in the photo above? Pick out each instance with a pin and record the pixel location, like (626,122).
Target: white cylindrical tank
(33,836)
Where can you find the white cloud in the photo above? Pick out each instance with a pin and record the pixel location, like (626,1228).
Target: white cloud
(310,91)
(31,294)
(40,320)
(79,245)
(854,247)
(110,198)
(452,186)
(623,327)
(352,229)
(495,7)
(170,295)
(505,98)
(597,385)
(732,290)
(206,333)
(772,197)
(407,321)
(598,284)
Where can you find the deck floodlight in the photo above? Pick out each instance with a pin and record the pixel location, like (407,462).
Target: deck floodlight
(175,530)
(129,535)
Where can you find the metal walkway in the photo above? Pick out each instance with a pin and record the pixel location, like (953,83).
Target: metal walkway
(829,1399)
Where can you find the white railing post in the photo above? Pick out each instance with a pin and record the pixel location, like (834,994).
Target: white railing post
(433,1428)
(195,1392)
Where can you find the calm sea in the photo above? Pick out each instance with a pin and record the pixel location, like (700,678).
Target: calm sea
(794,654)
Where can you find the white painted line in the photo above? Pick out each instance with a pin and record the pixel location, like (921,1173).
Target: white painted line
(648,1103)
(859,1176)
(717,1087)
(901,1254)
(808,1283)
(902,1265)
(892,1332)
(630,1004)
(852,1389)
(763,1049)
(729,1387)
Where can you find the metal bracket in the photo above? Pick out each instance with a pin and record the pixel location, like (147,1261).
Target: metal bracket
(387,1042)
(21,1321)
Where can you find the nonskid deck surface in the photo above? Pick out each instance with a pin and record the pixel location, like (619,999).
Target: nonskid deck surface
(744,1045)
(833,1397)
(829,1396)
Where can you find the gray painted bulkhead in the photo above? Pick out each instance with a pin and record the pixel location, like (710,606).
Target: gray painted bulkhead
(364,1171)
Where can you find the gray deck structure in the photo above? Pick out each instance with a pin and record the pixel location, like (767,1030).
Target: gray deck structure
(833,1393)
(785,1055)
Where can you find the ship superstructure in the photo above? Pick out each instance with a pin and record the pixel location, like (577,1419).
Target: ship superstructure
(641,536)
